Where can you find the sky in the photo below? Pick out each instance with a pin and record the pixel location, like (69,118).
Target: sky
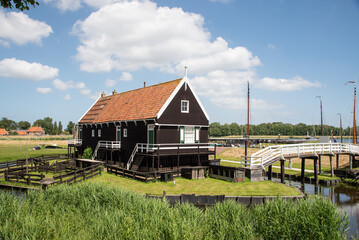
(57,57)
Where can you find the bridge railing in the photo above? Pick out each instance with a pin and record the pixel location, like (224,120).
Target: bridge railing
(271,154)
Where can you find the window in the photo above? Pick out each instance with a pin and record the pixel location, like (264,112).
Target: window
(93,133)
(185,106)
(125,132)
(186,135)
(99,133)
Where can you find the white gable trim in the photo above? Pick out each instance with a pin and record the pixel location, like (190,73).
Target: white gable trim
(174,93)
(89,109)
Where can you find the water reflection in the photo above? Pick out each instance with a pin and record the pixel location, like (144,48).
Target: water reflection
(346,197)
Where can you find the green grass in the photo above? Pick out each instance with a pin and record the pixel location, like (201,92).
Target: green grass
(306,174)
(13,152)
(208,186)
(99,211)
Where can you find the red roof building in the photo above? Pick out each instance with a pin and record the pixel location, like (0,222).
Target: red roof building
(3,132)
(35,131)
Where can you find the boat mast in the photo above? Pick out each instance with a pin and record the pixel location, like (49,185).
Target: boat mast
(321,116)
(341,129)
(354,122)
(248,115)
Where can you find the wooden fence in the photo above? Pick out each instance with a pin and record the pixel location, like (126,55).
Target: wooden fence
(78,175)
(21,176)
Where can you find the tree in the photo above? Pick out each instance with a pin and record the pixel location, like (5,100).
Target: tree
(46,124)
(8,124)
(19,4)
(235,129)
(225,130)
(55,130)
(59,129)
(215,129)
(23,125)
(70,127)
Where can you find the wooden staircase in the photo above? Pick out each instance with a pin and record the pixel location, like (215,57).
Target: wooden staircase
(137,162)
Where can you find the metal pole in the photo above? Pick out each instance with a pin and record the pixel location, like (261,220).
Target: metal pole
(341,129)
(321,115)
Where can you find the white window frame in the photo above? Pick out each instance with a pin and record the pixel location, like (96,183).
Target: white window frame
(125,132)
(182,110)
(93,133)
(99,133)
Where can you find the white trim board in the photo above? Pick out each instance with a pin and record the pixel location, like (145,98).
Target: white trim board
(174,93)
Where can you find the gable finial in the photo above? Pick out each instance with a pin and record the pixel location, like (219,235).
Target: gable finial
(185,71)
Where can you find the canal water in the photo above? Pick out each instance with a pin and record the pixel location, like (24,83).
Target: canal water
(346,197)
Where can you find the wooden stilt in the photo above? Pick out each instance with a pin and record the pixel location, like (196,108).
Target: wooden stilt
(282,180)
(351,162)
(320,164)
(270,172)
(316,171)
(303,170)
(338,161)
(331,166)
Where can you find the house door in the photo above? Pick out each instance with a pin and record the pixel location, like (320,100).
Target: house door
(151,135)
(118,133)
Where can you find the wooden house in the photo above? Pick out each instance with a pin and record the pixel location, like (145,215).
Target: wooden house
(156,128)
(35,131)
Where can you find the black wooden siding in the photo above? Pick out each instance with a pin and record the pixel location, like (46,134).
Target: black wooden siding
(173,115)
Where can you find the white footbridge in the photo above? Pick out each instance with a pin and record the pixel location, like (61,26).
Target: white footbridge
(269,155)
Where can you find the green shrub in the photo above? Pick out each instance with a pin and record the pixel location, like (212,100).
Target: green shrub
(87,153)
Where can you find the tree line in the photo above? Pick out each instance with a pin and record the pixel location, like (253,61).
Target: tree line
(275,128)
(46,123)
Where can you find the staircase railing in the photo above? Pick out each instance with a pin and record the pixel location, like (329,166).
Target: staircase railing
(94,155)
(106,144)
(133,154)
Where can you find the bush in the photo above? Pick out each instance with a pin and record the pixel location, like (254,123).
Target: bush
(87,153)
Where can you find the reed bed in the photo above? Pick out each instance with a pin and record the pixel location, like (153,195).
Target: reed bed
(98,211)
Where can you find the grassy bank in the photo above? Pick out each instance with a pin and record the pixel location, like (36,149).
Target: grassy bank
(17,151)
(99,211)
(208,186)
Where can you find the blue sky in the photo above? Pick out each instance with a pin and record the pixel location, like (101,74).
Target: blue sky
(55,58)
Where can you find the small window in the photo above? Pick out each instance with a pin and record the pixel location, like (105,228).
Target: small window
(125,132)
(185,106)
(93,133)
(99,133)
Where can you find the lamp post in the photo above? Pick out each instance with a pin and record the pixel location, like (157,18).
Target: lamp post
(321,115)
(341,129)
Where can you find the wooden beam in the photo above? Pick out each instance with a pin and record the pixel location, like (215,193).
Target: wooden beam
(331,166)
(269,173)
(282,180)
(337,161)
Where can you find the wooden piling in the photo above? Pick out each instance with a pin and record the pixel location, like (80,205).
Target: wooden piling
(282,180)
(303,170)
(337,161)
(320,164)
(316,171)
(270,172)
(331,166)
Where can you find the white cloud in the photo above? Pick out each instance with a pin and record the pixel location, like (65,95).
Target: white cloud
(221,1)
(4,43)
(85,91)
(19,69)
(126,76)
(67,97)
(110,83)
(43,90)
(128,36)
(73,5)
(19,28)
(271,46)
(61,85)
(280,84)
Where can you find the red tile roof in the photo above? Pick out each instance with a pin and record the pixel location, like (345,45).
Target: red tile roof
(143,103)
(35,129)
(3,132)
(22,132)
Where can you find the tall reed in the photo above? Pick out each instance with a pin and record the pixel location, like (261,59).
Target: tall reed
(99,211)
